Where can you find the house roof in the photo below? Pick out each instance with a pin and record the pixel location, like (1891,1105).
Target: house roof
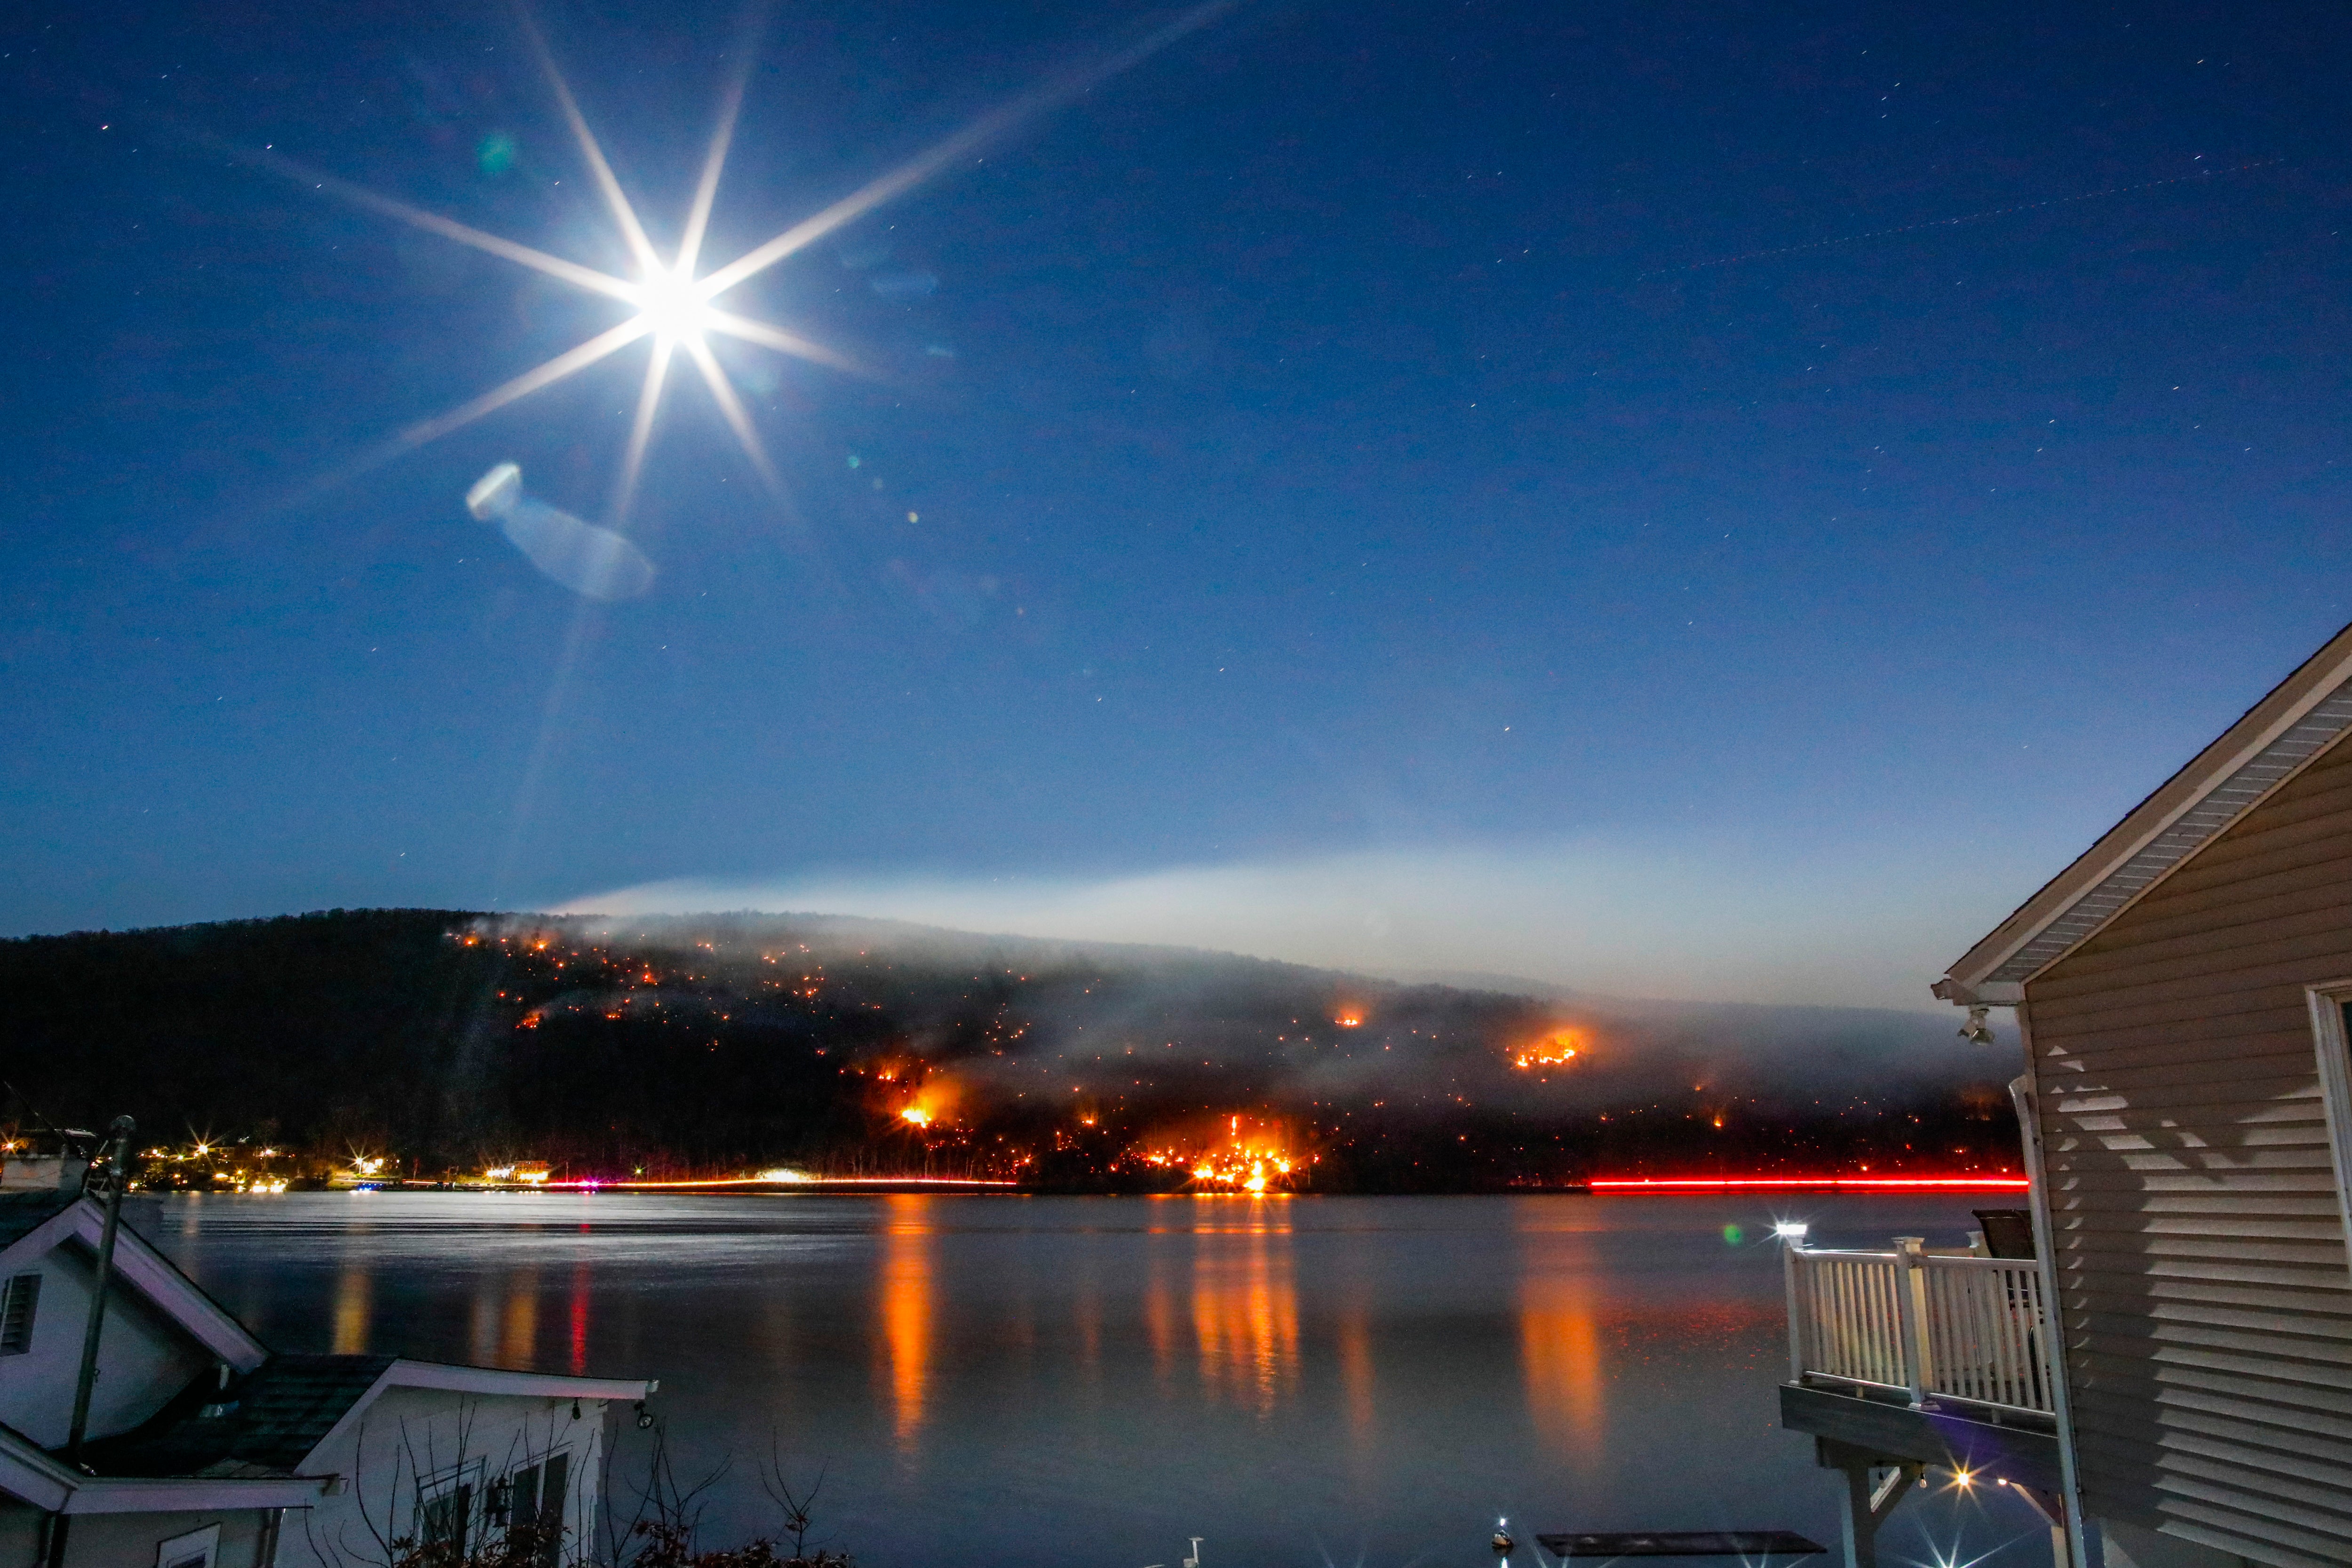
(268,1425)
(273,1421)
(47,1483)
(22,1213)
(34,1224)
(2303,716)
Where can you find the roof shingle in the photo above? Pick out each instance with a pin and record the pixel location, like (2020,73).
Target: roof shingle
(265,1425)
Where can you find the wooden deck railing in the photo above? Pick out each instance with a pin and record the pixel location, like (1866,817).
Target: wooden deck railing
(1934,1325)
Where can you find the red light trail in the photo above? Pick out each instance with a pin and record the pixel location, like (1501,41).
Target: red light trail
(1816,1183)
(593,1185)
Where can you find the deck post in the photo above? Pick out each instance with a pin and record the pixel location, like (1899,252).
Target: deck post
(1867,1496)
(1791,1262)
(1911,1307)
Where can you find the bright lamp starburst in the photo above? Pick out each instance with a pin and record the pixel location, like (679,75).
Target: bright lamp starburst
(675,304)
(672,308)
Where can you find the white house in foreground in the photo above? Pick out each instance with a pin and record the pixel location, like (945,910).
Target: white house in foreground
(2182,990)
(208,1450)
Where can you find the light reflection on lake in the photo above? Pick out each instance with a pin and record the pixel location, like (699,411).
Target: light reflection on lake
(1091,1381)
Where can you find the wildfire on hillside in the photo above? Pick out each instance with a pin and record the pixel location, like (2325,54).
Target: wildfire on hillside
(1556,1049)
(1258,1160)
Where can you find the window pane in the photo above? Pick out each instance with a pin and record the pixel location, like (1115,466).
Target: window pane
(550,1505)
(523,1500)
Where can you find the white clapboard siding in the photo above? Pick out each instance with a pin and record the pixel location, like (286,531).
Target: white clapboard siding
(2199,1252)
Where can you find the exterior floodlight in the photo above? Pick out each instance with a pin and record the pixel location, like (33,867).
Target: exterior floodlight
(1789,1229)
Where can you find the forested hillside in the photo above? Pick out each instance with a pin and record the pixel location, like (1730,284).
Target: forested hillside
(448,1040)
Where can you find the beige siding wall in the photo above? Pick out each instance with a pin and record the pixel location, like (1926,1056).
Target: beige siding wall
(2200,1254)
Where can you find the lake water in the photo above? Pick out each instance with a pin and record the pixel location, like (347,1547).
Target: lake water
(1091,1381)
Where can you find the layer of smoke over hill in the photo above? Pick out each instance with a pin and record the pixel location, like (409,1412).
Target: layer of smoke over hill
(1011,1022)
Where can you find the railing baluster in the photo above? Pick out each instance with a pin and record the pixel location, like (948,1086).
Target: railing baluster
(1965,1328)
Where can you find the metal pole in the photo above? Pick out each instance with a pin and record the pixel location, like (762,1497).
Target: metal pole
(1789,1263)
(118,1137)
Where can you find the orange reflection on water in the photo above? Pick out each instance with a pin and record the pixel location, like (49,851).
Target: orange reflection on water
(1245,1308)
(354,1296)
(907,1306)
(520,1345)
(1356,1373)
(1559,1352)
(482,1323)
(1159,1321)
(1090,1313)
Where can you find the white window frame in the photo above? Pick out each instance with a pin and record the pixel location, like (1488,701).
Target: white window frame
(2328,1035)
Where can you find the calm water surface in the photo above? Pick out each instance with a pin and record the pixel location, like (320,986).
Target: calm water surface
(1089,1380)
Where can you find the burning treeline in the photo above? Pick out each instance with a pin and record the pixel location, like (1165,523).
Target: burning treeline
(724,1044)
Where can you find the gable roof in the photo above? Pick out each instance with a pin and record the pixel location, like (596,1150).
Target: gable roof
(272,1422)
(70,1217)
(2303,716)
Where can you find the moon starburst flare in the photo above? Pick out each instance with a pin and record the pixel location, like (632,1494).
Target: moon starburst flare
(676,304)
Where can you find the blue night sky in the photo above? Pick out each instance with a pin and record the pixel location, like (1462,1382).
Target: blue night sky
(1402,486)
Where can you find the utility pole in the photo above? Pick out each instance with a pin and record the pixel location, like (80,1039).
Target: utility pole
(115,1153)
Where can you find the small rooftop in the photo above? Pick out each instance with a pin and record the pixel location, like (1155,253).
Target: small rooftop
(264,1425)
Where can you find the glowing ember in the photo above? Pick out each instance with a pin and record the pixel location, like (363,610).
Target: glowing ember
(1559,1050)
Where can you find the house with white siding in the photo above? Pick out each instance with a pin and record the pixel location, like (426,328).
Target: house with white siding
(2181,990)
(206,1449)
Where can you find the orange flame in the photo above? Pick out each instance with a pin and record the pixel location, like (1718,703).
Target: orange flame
(1557,1050)
(1257,1162)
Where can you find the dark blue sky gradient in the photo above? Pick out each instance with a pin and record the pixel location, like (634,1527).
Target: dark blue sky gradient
(1322,439)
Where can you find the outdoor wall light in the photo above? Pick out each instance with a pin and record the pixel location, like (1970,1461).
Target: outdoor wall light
(1789,1229)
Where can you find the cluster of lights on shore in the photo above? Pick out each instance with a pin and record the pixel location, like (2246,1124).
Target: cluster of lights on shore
(1253,1163)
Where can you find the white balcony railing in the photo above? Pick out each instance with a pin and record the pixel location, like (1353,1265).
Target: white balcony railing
(1934,1325)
